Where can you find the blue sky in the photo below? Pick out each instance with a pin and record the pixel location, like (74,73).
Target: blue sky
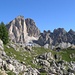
(48,14)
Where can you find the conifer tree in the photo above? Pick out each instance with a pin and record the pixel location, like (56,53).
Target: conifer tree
(3,33)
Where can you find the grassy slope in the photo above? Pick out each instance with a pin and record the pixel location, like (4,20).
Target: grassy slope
(21,55)
(66,54)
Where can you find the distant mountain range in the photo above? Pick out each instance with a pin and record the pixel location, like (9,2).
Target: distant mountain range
(25,30)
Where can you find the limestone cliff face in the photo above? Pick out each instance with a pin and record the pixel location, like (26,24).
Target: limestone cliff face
(17,29)
(31,28)
(22,30)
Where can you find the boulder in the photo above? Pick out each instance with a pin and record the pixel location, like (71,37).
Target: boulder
(3,53)
(46,46)
(44,63)
(11,67)
(1,45)
(46,56)
(32,71)
(29,48)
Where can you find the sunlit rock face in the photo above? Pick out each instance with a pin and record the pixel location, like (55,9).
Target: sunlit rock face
(22,30)
(17,29)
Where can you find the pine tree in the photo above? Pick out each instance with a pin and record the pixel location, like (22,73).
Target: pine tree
(3,33)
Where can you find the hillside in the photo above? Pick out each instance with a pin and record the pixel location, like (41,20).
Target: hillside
(16,59)
(30,52)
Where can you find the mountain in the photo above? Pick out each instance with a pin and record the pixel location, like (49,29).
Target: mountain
(22,30)
(57,37)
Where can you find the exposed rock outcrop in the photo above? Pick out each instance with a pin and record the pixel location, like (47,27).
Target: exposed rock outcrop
(17,29)
(31,28)
(52,67)
(25,30)
(22,31)
(1,45)
(45,38)
(59,37)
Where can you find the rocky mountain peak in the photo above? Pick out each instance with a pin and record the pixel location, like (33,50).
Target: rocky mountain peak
(71,32)
(20,16)
(22,30)
(59,30)
(17,29)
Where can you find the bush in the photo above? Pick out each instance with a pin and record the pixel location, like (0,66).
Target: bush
(3,33)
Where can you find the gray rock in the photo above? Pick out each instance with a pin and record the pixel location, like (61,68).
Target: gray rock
(63,45)
(44,63)
(46,46)
(45,38)
(3,72)
(57,37)
(32,71)
(29,48)
(46,56)
(3,53)
(17,29)
(31,28)
(11,67)
(1,45)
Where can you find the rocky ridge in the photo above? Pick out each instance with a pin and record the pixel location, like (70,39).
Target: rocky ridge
(59,37)
(24,31)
